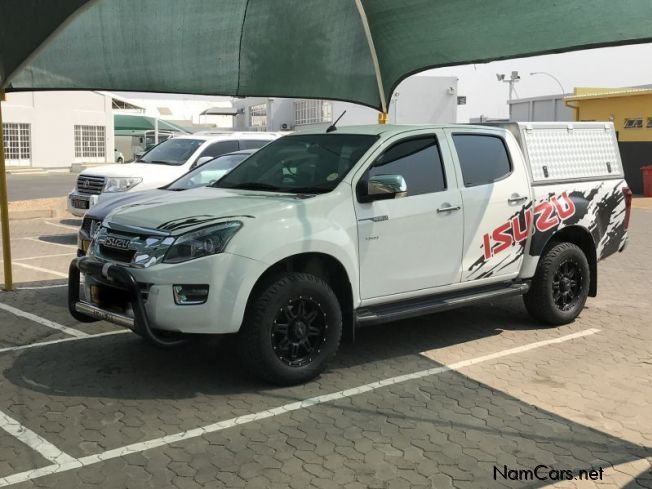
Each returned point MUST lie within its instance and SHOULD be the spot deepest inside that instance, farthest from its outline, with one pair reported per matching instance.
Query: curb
(38, 208)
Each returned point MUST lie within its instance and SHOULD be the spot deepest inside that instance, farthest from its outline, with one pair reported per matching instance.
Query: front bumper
(79, 204)
(230, 278)
(123, 280)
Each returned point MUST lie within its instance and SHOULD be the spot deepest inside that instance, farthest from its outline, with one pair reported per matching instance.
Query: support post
(155, 132)
(382, 117)
(4, 208)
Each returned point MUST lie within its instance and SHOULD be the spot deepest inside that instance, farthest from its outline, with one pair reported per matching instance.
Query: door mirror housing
(382, 187)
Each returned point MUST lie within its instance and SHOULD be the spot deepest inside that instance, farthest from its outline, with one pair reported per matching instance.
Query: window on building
(17, 141)
(90, 141)
(633, 123)
(649, 122)
(483, 158)
(418, 161)
(312, 112)
(258, 117)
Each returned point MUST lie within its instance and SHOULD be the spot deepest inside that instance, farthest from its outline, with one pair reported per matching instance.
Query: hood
(179, 212)
(111, 201)
(149, 171)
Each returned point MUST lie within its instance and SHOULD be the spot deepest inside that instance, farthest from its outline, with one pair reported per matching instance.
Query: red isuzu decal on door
(547, 215)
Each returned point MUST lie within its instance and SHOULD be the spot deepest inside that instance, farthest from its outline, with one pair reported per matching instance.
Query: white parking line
(42, 321)
(43, 256)
(62, 340)
(248, 418)
(34, 441)
(40, 269)
(41, 287)
(74, 228)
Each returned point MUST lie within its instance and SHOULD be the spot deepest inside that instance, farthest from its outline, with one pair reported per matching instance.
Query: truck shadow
(126, 367)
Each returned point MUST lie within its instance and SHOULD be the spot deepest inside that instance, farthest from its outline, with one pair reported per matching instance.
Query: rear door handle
(515, 199)
(449, 208)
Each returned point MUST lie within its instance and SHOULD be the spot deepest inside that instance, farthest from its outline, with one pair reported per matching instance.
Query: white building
(57, 129)
(419, 99)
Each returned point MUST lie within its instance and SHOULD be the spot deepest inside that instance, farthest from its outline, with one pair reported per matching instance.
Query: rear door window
(483, 158)
(220, 148)
(252, 143)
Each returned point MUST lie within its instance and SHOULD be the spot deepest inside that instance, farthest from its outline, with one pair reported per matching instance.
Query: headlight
(208, 241)
(121, 184)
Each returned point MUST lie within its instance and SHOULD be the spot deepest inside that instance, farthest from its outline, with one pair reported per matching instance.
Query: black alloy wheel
(299, 331)
(567, 283)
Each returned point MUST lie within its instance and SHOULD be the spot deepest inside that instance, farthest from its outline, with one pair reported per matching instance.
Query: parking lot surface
(449, 400)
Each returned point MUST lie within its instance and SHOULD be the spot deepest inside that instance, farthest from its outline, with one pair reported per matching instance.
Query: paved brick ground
(574, 405)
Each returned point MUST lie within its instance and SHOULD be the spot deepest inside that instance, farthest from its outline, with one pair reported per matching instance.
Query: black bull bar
(118, 277)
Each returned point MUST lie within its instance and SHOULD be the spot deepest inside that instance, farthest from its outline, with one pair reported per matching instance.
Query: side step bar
(384, 313)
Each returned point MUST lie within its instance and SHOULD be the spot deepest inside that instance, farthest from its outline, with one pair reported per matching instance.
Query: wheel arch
(321, 265)
(581, 237)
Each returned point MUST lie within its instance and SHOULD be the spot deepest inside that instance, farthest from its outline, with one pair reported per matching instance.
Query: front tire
(560, 286)
(292, 328)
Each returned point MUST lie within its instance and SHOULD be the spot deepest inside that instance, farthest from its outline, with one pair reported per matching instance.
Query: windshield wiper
(306, 190)
(254, 186)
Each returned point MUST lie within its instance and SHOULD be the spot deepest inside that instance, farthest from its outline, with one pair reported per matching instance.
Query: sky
(621, 66)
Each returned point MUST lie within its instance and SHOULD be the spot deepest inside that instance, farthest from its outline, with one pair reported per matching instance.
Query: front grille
(115, 254)
(90, 185)
(87, 224)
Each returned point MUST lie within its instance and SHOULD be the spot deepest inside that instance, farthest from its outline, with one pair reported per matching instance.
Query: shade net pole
(4, 209)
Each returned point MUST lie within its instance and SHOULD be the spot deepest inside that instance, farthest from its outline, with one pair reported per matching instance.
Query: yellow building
(630, 109)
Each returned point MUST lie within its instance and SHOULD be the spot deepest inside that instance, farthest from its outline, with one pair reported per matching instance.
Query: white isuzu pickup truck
(321, 232)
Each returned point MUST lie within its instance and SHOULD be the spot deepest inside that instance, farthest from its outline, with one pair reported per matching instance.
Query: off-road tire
(540, 300)
(256, 338)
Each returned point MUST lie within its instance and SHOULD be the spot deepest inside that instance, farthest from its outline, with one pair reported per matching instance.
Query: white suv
(160, 165)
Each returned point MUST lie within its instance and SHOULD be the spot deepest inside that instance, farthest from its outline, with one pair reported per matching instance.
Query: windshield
(302, 163)
(175, 151)
(209, 173)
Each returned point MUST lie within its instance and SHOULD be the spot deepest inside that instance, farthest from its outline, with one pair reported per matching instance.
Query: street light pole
(4, 208)
(550, 75)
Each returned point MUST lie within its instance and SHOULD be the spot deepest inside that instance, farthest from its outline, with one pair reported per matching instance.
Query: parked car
(201, 176)
(161, 165)
(322, 232)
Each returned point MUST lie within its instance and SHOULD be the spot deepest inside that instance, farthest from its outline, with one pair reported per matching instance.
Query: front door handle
(448, 208)
(516, 199)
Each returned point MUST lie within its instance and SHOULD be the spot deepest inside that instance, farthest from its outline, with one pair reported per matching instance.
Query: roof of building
(584, 93)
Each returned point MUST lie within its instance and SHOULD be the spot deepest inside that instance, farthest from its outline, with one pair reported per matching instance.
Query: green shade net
(126, 124)
(300, 48)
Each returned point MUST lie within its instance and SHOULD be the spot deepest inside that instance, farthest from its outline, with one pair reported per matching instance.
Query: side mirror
(382, 187)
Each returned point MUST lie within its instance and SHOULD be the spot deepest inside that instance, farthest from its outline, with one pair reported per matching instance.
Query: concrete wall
(634, 156)
(540, 109)
(52, 116)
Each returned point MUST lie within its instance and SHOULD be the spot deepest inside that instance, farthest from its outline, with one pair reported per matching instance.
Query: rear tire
(292, 328)
(560, 286)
